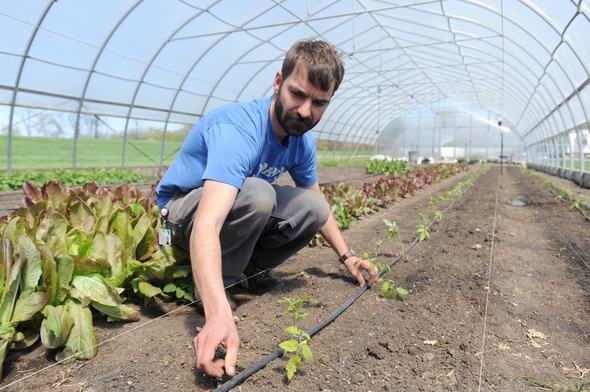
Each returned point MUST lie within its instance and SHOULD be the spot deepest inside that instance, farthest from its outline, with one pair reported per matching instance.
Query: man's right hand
(217, 200)
(217, 331)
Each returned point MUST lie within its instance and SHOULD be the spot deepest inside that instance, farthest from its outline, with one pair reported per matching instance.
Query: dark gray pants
(267, 224)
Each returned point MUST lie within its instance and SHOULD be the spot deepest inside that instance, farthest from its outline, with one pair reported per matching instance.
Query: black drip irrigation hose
(242, 376)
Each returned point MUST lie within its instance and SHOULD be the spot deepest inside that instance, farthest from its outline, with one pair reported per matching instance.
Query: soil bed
(499, 292)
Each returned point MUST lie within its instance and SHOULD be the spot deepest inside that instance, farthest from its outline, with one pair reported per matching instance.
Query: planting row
(577, 201)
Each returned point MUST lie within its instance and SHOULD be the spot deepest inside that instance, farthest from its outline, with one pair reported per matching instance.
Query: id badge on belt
(164, 233)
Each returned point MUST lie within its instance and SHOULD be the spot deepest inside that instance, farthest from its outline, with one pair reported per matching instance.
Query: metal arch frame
(541, 126)
(287, 23)
(352, 102)
(90, 73)
(552, 59)
(229, 67)
(213, 89)
(516, 71)
(533, 57)
(17, 84)
(141, 82)
(534, 108)
(223, 35)
(555, 109)
(204, 54)
(346, 116)
(173, 100)
(267, 63)
(360, 119)
(371, 134)
(460, 52)
(402, 50)
(475, 22)
(563, 105)
(515, 43)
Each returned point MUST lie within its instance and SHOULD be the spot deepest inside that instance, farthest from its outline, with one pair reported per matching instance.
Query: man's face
(299, 105)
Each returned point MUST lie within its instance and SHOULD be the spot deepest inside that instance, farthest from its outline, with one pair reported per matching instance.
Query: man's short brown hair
(323, 63)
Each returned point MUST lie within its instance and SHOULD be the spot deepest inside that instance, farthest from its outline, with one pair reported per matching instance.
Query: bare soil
(499, 293)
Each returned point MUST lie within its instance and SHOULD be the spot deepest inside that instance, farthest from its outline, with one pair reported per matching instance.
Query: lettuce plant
(21, 299)
(72, 252)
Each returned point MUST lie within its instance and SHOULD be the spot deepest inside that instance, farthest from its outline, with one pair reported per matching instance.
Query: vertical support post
(571, 148)
(580, 137)
(501, 146)
(562, 141)
(501, 152)
(488, 139)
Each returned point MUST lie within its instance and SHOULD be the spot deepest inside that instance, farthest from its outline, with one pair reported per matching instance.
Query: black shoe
(258, 280)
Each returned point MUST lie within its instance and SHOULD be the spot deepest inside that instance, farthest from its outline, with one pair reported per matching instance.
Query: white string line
(488, 288)
(118, 336)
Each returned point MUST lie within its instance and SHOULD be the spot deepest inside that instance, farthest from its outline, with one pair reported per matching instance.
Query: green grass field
(586, 166)
(56, 153)
(49, 153)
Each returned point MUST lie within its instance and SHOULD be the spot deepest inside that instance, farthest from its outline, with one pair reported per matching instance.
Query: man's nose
(305, 109)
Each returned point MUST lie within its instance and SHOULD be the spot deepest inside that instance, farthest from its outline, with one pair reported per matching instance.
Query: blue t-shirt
(234, 142)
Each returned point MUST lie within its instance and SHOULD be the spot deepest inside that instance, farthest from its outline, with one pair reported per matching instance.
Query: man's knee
(257, 197)
(320, 208)
(308, 206)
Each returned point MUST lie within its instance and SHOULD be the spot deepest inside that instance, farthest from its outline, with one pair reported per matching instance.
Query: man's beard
(292, 122)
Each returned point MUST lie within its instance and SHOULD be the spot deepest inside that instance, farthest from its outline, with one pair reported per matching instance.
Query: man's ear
(277, 82)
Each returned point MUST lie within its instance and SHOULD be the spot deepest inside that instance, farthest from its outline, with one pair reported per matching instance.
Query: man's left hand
(355, 265)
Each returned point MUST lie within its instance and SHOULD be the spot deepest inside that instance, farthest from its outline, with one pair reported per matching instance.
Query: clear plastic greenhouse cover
(451, 66)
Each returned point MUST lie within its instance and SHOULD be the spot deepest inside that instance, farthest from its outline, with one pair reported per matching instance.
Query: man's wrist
(346, 255)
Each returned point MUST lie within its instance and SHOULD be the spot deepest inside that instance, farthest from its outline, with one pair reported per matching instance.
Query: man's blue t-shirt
(234, 142)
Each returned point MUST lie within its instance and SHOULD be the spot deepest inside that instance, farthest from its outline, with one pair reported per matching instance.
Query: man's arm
(216, 201)
(355, 265)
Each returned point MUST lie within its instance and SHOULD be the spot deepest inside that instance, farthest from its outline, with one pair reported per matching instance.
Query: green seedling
(563, 194)
(446, 198)
(432, 202)
(392, 233)
(423, 229)
(458, 190)
(437, 212)
(438, 215)
(297, 347)
(388, 288)
(579, 203)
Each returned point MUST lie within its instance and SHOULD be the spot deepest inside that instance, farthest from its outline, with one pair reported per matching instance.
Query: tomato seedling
(297, 347)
